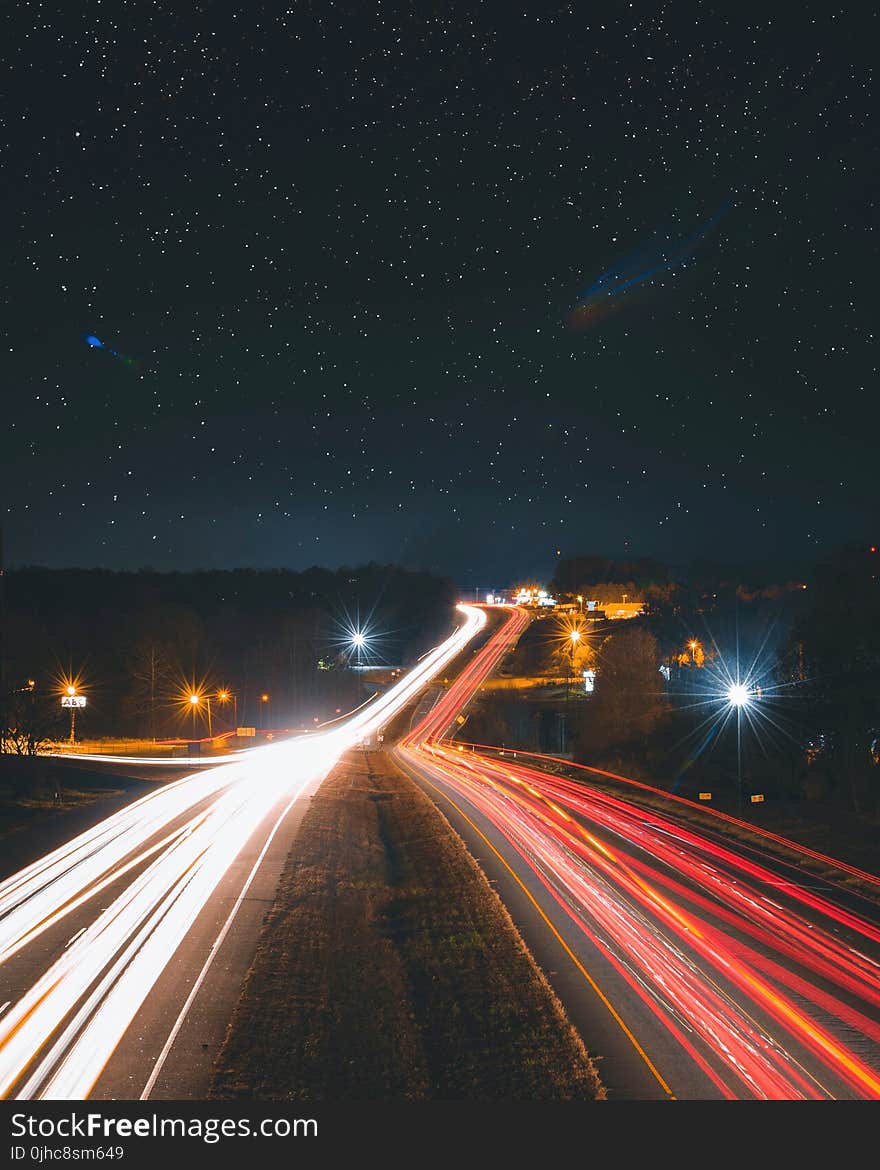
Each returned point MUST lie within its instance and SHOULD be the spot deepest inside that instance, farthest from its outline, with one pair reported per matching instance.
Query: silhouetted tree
(629, 699)
(30, 719)
(150, 670)
(834, 656)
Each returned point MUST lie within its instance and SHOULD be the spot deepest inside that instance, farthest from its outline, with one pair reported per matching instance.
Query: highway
(693, 967)
(122, 951)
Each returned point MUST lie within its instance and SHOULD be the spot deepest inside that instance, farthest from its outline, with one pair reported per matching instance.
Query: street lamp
(224, 696)
(573, 638)
(72, 699)
(194, 706)
(264, 699)
(693, 646)
(358, 641)
(195, 700)
(738, 697)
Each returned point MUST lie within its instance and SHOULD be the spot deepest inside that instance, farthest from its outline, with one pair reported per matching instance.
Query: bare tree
(30, 720)
(151, 668)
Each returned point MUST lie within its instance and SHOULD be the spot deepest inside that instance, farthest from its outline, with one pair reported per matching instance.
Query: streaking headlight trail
(160, 860)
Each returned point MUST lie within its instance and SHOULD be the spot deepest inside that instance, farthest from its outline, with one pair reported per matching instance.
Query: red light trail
(770, 988)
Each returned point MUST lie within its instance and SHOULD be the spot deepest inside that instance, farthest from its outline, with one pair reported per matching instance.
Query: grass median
(388, 969)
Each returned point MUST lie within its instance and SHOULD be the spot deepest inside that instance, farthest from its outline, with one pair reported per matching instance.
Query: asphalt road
(560, 950)
(83, 915)
(694, 966)
(123, 950)
(690, 969)
(168, 1052)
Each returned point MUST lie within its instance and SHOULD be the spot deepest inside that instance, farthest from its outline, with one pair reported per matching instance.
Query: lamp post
(738, 697)
(693, 646)
(264, 707)
(358, 641)
(194, 701)
(573, 638)
(72, 700)
(224, 697)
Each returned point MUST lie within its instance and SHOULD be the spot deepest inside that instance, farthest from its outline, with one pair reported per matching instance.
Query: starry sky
(462, 287)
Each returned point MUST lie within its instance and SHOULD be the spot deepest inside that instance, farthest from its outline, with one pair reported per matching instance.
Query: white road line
(218, 942)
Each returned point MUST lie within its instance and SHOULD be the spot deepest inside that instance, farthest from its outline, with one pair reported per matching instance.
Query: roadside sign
(73, 700)
(245, 731)
(705, 796)
(757, 798)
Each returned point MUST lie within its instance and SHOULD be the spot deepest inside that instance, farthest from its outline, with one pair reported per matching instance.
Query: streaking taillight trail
(762, 993)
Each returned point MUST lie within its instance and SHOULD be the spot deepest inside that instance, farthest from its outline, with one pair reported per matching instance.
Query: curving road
(696, 968)
(122, 951)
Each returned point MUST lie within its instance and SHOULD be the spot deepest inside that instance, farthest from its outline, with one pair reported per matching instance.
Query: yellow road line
(629, 1035)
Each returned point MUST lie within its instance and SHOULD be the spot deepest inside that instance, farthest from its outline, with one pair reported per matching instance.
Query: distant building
(533, 596)
(625, 609)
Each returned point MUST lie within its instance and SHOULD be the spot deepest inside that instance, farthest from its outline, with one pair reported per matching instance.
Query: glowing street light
(573, 638)
(226, 696)
(195, 700)
(739, 697)
(358, 641)
(72, 698)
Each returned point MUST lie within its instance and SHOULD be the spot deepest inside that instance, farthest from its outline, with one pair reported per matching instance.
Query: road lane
(726, 979)
(102, 916)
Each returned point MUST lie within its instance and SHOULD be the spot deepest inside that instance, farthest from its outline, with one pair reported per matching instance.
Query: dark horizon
(755, 572)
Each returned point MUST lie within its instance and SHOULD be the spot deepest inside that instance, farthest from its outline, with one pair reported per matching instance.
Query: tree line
(277, 644)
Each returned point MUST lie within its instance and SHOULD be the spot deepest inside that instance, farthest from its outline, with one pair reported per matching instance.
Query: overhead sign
(73, 700)
(757, 798)
(705, 796)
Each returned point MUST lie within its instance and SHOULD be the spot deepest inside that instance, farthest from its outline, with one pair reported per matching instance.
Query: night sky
(462, 287)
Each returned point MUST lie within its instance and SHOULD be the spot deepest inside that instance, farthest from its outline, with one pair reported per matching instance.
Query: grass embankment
(32, 787)
(388, 968)
(35, 789)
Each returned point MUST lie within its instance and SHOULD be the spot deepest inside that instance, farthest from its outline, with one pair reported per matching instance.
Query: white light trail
(174, 846)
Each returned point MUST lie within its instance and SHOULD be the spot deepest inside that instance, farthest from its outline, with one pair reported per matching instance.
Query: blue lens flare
(96, 343)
